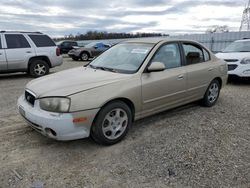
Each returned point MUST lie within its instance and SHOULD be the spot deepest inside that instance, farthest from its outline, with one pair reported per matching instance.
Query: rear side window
(42, 40)
(16, 41)
(193, 53)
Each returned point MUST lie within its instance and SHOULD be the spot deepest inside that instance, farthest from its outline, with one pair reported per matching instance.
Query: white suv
(237, 56)
(31, 52)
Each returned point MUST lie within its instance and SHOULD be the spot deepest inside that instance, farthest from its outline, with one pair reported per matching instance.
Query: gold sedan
(130, 81)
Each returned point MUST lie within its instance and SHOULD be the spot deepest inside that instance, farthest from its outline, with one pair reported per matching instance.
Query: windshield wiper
(103, 68)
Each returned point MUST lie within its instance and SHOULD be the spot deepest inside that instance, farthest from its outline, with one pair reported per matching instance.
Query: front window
(123, 58)
(16, 41)
(169, 55)
(242, 46)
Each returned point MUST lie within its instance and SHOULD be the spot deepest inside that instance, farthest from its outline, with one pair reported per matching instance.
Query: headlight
(245, 61)
(55, 104)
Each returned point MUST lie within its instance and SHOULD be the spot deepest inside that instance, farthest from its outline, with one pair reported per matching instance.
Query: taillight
(58, 51)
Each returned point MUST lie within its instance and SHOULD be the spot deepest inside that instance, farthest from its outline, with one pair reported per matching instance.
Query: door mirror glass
(156, 67)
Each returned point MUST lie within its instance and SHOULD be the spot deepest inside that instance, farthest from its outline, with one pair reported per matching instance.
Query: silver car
(31, 52)
(130, 81)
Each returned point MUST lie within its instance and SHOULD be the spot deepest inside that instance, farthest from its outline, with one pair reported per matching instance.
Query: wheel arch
(219, 80)
(44, 58)
(87, 52)
(122, 99)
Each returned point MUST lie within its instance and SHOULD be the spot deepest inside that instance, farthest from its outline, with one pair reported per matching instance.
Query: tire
(212, 94)
(84, 56)
(75, 58)
(38, 68)
(112, 123)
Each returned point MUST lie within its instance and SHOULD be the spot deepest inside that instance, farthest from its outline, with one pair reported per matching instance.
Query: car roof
(15, 32)
(156, 40)
(243, 40)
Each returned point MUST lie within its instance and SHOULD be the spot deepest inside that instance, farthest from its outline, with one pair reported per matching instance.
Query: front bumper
(240, 70)
(58, 126)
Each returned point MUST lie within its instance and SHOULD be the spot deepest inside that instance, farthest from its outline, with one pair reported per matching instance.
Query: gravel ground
(190, 146)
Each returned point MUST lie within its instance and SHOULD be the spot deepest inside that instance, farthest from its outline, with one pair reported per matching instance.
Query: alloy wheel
(40, 69)
(115, 123)
(213, 92)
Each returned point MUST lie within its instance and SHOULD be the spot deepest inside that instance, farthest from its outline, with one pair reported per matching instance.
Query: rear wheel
(38, 68)
(112, 123)
(212, 94)
(84, 56)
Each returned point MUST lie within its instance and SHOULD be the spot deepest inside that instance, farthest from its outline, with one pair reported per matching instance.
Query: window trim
(1, 46)
(18, 35)
(163, 44)
(195, 45)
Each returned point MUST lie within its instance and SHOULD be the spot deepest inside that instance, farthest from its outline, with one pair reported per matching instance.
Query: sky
(63, 17)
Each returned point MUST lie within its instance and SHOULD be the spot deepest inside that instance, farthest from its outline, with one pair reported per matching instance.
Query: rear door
(164, 89)
(18, 51)
(3, 61)
(200, 69)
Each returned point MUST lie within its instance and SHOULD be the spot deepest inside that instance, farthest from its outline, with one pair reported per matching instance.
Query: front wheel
(112, 123)
(212, 94)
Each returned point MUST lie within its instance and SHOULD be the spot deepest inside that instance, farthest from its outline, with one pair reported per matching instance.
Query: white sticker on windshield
(139, 51)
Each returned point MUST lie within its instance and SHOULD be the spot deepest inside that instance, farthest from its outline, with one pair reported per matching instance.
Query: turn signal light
(79, 120)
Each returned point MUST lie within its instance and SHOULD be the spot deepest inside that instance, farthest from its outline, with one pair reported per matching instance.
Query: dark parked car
(66, 46)
(89, 51)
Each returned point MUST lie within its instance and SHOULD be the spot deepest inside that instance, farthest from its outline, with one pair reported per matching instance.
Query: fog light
(50, 132)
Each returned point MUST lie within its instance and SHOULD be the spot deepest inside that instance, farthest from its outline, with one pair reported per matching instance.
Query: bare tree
(218, 29)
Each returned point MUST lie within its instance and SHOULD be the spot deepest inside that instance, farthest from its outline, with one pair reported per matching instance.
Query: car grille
(231, 60)
(232, 67)
(30, 98)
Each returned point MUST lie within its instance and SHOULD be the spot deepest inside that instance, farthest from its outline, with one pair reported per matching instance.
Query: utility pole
(245, 22)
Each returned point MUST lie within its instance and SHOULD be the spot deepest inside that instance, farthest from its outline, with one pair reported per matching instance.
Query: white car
(31, 52)
(237, 56)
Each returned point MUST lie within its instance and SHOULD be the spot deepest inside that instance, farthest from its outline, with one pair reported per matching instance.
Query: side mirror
(156, 67)
(95, 47)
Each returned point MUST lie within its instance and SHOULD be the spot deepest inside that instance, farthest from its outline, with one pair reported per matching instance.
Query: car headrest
(193, 55)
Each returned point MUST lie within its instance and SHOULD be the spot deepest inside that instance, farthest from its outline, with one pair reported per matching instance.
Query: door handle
(1, 54)
(180, 77)
(28, 52)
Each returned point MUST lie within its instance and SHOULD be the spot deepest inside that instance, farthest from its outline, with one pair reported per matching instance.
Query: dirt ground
(190, 146)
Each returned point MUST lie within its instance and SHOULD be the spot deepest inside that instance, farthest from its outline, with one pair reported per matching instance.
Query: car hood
(233, 55)
(73, 81)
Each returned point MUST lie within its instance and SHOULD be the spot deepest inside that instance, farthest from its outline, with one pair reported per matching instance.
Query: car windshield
(241, 46)
(122, 58)
(59, 43)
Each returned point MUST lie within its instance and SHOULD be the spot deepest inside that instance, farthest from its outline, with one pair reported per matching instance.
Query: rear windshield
(42, 40)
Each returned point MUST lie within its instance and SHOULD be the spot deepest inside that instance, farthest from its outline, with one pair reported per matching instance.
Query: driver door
(164, 89)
